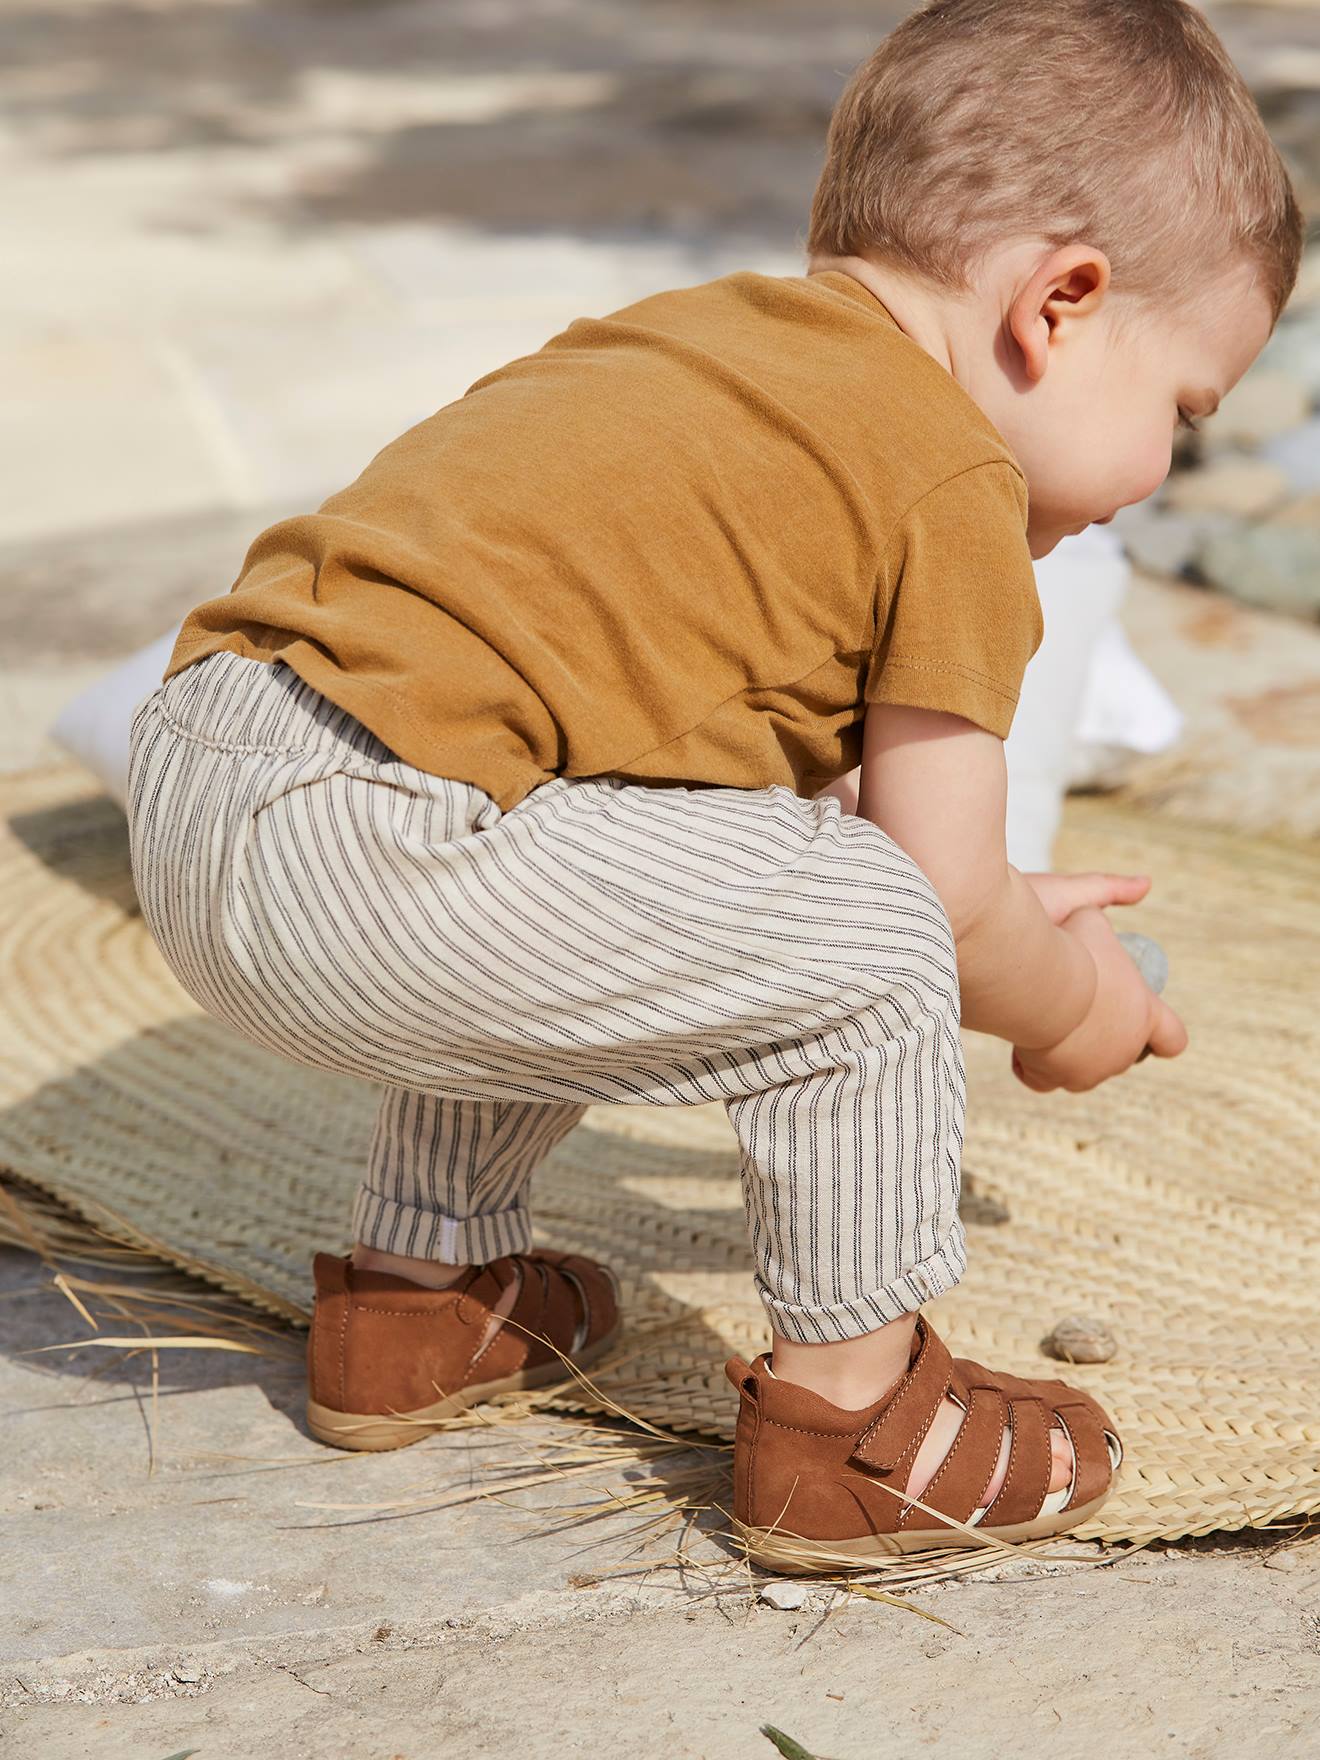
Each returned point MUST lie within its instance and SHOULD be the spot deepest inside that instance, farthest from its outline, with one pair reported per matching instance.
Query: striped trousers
(500, 971)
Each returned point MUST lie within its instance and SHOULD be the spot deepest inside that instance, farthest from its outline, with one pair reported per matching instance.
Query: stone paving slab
(118, 1537)
(1192, 1659)
(193, 1607)
(94, 430)
(233, 380)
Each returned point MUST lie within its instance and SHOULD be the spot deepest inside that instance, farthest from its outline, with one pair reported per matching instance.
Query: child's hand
(1124, 1018)
(1062, 894)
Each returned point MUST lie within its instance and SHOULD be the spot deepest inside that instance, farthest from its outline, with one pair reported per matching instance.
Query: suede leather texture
(380, 1344)
(811, 1469)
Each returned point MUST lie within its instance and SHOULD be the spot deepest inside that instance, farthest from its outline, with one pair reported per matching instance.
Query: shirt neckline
(841, 282)
(855, 290)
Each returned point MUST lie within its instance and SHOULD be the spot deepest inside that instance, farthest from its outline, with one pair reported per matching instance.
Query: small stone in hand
(1149, 958)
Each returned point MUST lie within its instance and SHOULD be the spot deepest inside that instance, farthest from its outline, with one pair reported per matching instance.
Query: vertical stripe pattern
(499, 972)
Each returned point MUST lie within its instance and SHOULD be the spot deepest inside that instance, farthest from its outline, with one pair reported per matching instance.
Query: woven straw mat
(1177, 1204)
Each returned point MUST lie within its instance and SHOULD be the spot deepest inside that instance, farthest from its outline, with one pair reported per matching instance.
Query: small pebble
(186, 1676)
(787, 1597)
(1079, 1340)
(1149, 958)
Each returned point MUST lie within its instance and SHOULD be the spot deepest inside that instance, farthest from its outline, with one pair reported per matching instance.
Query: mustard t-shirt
(685, 543)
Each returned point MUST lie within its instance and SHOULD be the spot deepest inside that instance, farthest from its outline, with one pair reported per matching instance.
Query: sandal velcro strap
(564, 1302)
(892, 1439)
(993, 1402)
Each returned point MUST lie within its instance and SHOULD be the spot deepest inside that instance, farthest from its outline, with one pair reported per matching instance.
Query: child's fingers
(1103, 890)
(1129, 888)
(1063, 894)
(1168, 1036)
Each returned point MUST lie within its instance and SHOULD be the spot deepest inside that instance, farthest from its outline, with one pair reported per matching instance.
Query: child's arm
(1038, 964)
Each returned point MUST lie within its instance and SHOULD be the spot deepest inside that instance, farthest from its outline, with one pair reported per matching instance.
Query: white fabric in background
(1126, 711)
(1087, 702)
(94, 726)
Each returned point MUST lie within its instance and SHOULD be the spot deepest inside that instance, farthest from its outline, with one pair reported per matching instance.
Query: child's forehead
(1218, 328)
(1233, 325)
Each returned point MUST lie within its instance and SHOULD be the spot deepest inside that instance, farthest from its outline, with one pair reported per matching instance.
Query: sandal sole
(373, 1432)
(776, 1550)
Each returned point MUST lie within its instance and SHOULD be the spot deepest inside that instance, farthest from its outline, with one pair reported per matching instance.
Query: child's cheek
(1148, 467)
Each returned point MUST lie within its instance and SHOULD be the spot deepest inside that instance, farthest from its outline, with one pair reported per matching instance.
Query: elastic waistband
(240, 705)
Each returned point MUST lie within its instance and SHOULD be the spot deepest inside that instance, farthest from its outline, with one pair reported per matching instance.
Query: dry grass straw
(140, 1291)
(686, 1511)
(122, 1100)
(677, 1488)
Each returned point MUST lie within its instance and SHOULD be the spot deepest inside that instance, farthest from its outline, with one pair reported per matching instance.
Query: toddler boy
(632, 731)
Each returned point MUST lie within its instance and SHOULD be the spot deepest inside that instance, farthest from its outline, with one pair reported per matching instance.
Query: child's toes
(940, 1439)
(1061, 1465)
(1061, 1451)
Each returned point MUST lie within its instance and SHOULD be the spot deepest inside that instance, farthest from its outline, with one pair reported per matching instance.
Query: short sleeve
(960, 614)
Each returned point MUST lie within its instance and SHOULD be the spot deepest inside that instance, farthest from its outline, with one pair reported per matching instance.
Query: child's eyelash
(1189, 422)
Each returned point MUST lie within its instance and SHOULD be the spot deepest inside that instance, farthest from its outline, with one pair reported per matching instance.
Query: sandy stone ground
(245, 245)
(234, 1601)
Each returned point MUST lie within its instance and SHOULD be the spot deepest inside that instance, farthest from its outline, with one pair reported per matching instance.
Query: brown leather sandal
(820, 1488)
(387, 1359)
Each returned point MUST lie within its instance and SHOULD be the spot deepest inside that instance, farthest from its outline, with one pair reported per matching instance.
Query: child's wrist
(1075, 995)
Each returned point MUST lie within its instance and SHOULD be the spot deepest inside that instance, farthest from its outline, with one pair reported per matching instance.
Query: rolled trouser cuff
(391, 1227)
(805, 1323)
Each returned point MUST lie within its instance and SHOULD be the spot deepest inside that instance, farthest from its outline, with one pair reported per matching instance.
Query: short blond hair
(1122, 124)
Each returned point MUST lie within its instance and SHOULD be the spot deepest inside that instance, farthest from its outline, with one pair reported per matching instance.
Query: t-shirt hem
(948, 687)
(382, 713)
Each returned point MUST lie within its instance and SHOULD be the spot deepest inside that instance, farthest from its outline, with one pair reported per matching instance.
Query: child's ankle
(430, 1273)
(853, 1373)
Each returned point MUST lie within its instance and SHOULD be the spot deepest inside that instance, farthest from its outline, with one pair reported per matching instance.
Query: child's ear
(1070, 283)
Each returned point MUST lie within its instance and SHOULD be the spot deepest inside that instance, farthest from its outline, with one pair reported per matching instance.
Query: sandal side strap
(961, 1480)
(1092, 1472)
(594, 1288)
(1030, 1463)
